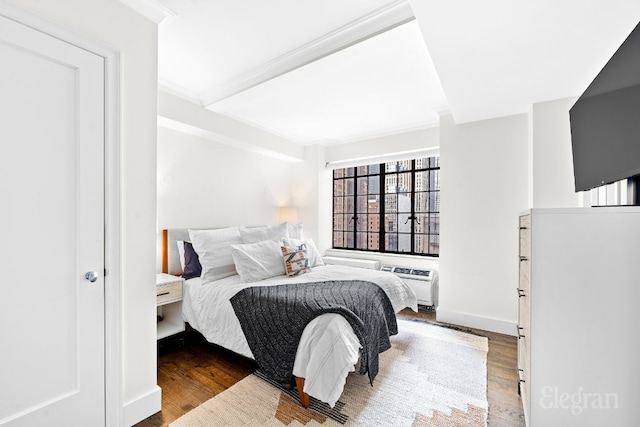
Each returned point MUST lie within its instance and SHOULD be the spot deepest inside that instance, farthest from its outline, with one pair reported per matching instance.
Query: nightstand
(169, 302)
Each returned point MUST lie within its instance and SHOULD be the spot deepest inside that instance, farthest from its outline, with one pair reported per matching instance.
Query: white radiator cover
(353, 262)
(423, 282)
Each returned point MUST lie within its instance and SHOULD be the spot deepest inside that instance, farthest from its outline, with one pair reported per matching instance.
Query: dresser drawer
(525, 236)
(524, 272)
(525, 243)
(169, 292)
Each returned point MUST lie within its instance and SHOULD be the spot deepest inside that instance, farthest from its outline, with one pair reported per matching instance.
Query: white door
(52, 231)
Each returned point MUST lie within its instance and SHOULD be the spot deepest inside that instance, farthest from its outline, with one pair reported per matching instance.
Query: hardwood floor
(192, 373)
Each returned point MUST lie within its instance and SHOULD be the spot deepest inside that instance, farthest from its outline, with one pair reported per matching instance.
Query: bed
(234, 259)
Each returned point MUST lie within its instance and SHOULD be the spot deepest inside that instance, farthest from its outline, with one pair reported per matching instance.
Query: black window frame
(348, 232)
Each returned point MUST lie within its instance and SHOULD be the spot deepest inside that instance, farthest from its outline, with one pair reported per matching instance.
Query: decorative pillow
(258, 261)
(314, 255)
(214, 251)
(260, 234)
(296, 261)
(192, 267)
(295, 231)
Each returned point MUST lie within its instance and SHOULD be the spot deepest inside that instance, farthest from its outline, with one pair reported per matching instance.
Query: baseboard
(478, 322)
(143, 407)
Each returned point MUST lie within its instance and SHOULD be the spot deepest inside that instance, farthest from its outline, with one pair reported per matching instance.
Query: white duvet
(328, 348)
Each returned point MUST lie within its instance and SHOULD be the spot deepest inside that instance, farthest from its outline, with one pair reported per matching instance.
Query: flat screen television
(605, 122)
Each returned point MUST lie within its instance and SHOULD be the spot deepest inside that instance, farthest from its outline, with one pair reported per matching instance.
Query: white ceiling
(333, 71)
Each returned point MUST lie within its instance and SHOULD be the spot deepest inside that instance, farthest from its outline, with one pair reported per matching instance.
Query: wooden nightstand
(169, 302)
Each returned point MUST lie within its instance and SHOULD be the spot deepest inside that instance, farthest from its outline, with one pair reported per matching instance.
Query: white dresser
(578, 316)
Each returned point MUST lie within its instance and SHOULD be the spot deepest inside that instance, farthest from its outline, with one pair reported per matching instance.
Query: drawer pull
(524, 228)
(524, 258)
(521, 293)
(163, 293)
(519, 334)
(520, 381)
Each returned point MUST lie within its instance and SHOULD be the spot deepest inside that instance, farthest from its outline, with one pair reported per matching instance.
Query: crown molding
(259, 126)
(365, 136)
(151, 9)
(179, 91)
(223, 138)
(379, 21)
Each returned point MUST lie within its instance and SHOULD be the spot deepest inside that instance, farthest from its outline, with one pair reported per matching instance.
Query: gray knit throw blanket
(273, 318)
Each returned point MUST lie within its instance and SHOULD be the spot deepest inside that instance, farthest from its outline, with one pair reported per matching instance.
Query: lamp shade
(288, 214)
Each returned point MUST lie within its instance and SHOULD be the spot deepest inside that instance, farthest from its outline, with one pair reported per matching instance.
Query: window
(391, 207)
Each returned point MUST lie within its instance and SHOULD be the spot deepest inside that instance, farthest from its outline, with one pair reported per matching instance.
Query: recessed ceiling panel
(383, 85)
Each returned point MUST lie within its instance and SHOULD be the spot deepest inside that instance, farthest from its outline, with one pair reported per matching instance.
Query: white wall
(311, 194)
(112, 24)
(483, 189)
(551, 165)
(526, 162)
(214, 171)
(203, 183)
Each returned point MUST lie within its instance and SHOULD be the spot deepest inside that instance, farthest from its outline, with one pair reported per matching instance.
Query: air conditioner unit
(423, 282)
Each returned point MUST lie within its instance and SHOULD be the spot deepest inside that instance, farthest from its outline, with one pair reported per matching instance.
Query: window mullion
(413, 206)
(355, 208)
(382, 246)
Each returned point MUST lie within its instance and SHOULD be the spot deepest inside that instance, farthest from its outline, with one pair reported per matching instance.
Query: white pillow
(214, 251)
(295, 231)
(260, 234)
(258, 261)
(180, 244)
(312, 251)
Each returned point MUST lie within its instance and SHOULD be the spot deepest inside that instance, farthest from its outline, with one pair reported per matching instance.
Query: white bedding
(328, 348)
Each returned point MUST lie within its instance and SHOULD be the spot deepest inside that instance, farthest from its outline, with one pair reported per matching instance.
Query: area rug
(432, 376)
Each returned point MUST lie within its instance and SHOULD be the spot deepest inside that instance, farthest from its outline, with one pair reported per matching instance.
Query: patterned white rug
(432, 376)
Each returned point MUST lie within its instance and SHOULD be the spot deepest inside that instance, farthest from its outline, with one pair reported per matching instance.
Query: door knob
(91, 276)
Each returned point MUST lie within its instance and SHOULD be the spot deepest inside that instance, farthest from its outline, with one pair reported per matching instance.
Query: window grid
(391, 207)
